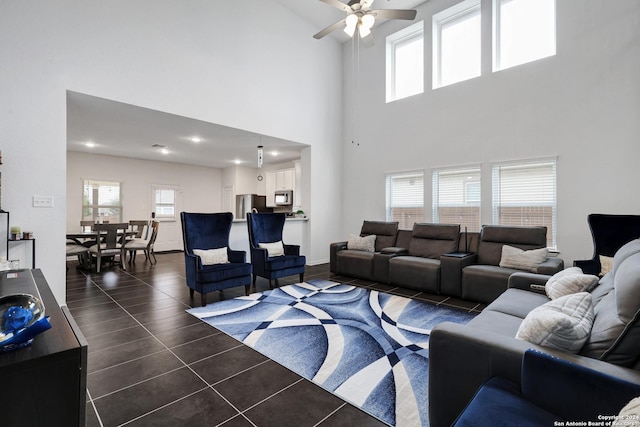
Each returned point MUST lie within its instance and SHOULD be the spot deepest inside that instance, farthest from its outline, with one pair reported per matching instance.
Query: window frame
(389, 178)
(96, 207)
(407, 35)
(496, 194)
(155, 204)
(458, 12)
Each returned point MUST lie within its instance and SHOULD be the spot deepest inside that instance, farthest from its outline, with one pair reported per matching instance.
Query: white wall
(581, 105)
(251, 65)
(200, 188)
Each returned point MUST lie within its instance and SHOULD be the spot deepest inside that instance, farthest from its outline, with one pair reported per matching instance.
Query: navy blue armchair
(552, 390)
(212, 270)
(270, 257)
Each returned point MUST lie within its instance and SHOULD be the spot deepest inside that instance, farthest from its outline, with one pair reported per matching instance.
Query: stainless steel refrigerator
(248, 202)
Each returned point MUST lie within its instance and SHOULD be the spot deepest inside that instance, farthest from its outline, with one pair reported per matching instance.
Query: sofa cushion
(355, 264)
(569, 281)
(366, 243)
(517, 302)
(564, 323)
(485, 283)
(386, 232)
(520, 259)
(493, 237)
(615, 336)
(415, 273)
(433, 240)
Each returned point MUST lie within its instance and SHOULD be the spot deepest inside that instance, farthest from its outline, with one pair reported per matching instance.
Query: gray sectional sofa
(463, 357)
(429, 258)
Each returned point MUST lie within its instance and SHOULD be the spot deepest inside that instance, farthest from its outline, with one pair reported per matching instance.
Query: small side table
(33, 251)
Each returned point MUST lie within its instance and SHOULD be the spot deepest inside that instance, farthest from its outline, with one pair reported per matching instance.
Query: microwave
(284, 198)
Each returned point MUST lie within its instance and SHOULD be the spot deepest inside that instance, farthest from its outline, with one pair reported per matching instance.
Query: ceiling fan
(361, 16)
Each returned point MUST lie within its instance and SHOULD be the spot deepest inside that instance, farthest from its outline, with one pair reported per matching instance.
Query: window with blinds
(101, 200)
(456, 197)
(405, 198)
(165, 203)
(524, 193)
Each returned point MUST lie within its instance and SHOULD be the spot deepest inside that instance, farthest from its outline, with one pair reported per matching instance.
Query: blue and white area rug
(368, 347)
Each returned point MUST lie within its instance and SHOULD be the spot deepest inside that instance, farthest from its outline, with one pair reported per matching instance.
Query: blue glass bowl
(21, 319)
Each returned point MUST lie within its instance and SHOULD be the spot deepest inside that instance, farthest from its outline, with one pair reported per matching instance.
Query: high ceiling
(125, 130)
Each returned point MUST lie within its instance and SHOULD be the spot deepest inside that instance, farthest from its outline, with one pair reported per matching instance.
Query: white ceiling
(124, 130)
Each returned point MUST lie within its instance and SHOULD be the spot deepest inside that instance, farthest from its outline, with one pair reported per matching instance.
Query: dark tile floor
(152, 364)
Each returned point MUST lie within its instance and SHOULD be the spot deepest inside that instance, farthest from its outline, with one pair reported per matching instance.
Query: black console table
(44, 383)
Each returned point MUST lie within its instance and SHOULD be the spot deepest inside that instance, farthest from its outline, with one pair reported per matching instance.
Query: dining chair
(142, 244)
(209, 262)
(86, 226)
(270, 257)
(111, 239)
(76, 249)
(141, 227)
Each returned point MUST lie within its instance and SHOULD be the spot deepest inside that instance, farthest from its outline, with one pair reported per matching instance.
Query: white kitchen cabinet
(270, 188)
(281, 179)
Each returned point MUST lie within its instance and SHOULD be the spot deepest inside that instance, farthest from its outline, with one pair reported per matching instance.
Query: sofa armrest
(394, 250)
(334, 248)
(572, 391)
(462, 358)
(451, 266)
(551, 266)
(381, 262)
(529, 282)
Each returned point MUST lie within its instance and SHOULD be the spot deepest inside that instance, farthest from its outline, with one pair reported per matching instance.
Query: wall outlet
(42, 201)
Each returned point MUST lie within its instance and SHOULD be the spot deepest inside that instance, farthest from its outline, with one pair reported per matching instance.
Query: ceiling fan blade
(337, 4)
(395, 14)
(366, 3)
(330, 28)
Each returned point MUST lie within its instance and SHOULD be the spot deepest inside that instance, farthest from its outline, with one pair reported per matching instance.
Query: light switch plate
(42, 201)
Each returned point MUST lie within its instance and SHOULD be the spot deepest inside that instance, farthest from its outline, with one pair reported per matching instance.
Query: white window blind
(524, 194)
(405, 198)
(456, 197)
(101, 200)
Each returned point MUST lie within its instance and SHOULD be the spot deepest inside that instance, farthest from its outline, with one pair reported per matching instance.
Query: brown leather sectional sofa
(439, 259)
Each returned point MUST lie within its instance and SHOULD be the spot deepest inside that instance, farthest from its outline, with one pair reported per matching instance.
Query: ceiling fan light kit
(360, 15)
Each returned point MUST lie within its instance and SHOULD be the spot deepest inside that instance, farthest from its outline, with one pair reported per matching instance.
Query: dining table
(90, 238)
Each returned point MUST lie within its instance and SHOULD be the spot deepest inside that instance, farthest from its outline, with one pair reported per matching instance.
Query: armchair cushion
(212, 256)
(563, 323)
(284, 262)
(523, 260)
(273, 249)
(366, 243)
(222, 272)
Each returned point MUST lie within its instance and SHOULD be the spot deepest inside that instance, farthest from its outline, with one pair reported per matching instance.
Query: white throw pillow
(366, 243)
(606, 264)
(570, 281)
(212, 256)
(273, 249)
(564, 323)
(523, 260)
(629, 416)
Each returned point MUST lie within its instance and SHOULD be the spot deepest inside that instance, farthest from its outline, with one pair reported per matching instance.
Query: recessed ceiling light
(237, 162)
(274, 153)
(195, 139)
(164, 151)
(90, 144)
